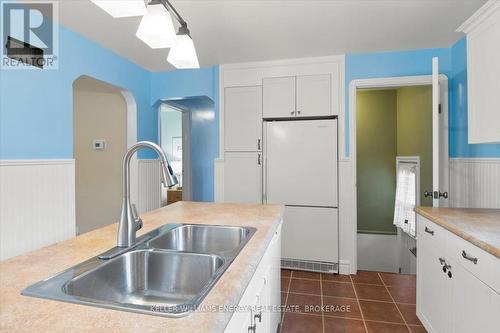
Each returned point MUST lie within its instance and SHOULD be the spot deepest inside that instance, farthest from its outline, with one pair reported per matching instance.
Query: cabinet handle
(292, 113)
(258, 316)
(468, 257)
(298, 112)
(446, 267)
(252, 328)
(259, 159)
(429, 231)
(442, 261)
(258, 144)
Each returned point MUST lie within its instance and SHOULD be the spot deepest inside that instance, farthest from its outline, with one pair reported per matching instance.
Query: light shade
(122, 8)
(156, 28)
(183, 54)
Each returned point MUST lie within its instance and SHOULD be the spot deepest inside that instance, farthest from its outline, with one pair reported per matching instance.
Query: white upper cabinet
(314, 95)
(279, 97)
(243, 118)
(483, 73)
(297, 96)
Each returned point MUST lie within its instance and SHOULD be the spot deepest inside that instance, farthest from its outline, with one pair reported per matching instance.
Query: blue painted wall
(452, 63)
(36, 107)
(458, 104)
(205, 119)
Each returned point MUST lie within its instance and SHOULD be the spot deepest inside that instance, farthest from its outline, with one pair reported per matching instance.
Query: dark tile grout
(321, 294)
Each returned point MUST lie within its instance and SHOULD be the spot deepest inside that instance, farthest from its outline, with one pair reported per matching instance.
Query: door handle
(436, 194)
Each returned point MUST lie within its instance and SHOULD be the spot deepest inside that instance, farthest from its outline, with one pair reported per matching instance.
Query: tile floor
(367, 302)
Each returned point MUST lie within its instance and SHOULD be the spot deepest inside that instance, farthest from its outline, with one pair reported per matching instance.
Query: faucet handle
(136, 217)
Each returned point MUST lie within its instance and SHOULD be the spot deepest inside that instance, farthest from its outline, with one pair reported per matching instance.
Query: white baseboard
(475, 182)
(37, 204)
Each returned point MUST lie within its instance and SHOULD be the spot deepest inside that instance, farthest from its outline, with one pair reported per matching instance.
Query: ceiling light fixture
(156, 28)
(183, 54)
(122, 8)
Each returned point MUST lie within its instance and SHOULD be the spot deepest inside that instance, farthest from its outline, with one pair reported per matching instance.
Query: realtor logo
(29, 35)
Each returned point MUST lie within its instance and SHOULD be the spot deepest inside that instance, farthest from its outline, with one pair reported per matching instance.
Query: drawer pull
(468, 257)
(429, 231)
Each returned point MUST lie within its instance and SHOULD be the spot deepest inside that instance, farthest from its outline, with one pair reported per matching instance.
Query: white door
(432, 290)
(439, 183)
(474, 306)
(301, 162)
(278, 97)
(243, 118)
(310, 233)
(243, 177)
(314, 94)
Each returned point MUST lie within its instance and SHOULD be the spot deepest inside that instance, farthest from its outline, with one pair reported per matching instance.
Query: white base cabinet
(457, 283)
(259, 307)
(243, 177)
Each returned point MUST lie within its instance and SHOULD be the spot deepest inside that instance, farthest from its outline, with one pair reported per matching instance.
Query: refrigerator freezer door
(301, 162)
(310, 233)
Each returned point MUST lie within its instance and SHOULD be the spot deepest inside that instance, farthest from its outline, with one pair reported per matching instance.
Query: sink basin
(149, 278)
(167, 273)
(201, 238)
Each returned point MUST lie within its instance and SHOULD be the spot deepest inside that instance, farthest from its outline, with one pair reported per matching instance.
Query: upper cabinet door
(483, 73)
(279, 97)
(314, 96)
(243, 118)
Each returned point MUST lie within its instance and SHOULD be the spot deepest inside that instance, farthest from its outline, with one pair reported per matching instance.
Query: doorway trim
(384, 83)
(187, 189)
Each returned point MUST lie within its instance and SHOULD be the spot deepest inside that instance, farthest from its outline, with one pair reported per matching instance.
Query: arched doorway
(104, 124)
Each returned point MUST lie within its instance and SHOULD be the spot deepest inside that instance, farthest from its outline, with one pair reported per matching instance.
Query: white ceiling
(229, 31)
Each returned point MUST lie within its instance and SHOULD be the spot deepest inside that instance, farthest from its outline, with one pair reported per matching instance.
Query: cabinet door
(432, 290)
(243, 177)
(314, 95)
(278, 97)
(243, 118)
(474, 307)
(483, 78)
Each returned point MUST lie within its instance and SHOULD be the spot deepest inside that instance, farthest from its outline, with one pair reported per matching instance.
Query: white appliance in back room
(301, 173)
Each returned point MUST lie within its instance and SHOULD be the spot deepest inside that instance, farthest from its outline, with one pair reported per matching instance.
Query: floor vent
(311, 266)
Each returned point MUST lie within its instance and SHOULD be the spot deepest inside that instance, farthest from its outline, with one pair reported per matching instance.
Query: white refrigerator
(301, 172)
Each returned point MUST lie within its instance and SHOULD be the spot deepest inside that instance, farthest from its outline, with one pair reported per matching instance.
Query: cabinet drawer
(481, 264)
(430, 234)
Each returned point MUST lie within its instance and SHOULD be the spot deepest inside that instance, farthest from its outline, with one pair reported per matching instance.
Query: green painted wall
(376, 159)
(414, 131)
(390, 123)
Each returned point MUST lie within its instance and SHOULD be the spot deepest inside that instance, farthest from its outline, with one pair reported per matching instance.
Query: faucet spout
(130, 221)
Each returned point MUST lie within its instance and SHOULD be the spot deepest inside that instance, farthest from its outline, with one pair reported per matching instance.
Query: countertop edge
(459, 232)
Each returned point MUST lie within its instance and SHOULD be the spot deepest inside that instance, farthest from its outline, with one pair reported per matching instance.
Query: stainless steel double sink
(168, 272)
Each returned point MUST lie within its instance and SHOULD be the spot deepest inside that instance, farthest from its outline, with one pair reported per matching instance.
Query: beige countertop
(27, 314)
(481, 227)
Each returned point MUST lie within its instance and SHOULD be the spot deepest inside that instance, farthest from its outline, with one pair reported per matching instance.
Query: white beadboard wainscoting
(37, 204)
(475, 182)
(149, 185)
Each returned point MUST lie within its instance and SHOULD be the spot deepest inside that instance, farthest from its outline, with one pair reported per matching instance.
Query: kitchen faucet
(130, 221)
